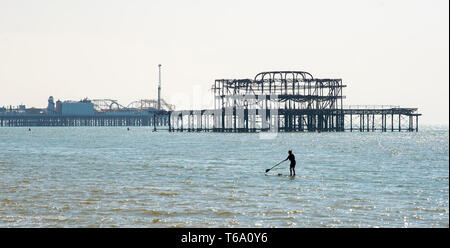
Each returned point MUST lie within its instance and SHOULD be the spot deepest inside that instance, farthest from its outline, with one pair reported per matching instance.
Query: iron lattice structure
(289, 101)
(101, 105)
(286, 100)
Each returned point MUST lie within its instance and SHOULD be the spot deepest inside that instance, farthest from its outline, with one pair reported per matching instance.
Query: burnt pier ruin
(289, 101)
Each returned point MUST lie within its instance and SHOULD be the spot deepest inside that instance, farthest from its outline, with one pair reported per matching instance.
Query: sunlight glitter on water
(110, 177)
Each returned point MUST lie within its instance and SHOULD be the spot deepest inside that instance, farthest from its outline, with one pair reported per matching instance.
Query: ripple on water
(122, 179)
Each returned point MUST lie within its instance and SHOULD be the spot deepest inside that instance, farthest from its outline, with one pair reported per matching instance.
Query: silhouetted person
(291, 158)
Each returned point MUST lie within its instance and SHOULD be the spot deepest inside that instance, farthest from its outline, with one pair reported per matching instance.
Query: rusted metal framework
(295, 99)
(287, 101)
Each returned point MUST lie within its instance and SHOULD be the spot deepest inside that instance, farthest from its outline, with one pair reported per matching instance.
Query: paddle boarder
(291, 158)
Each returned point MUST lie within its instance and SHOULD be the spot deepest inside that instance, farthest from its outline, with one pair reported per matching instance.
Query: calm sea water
(111, 177)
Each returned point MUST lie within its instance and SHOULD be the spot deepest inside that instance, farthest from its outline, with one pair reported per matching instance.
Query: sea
(114, 177)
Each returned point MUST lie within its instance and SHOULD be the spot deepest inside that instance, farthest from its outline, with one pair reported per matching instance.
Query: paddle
(274, 166)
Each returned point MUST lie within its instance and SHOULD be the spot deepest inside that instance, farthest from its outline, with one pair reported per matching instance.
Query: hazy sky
(387, 52)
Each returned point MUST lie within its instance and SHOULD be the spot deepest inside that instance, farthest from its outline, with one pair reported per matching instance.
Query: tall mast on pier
(159, 88)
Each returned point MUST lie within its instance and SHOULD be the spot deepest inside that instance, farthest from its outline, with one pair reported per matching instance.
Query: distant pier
(362, 120)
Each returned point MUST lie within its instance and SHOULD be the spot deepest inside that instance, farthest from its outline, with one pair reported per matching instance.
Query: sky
(392, 52)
